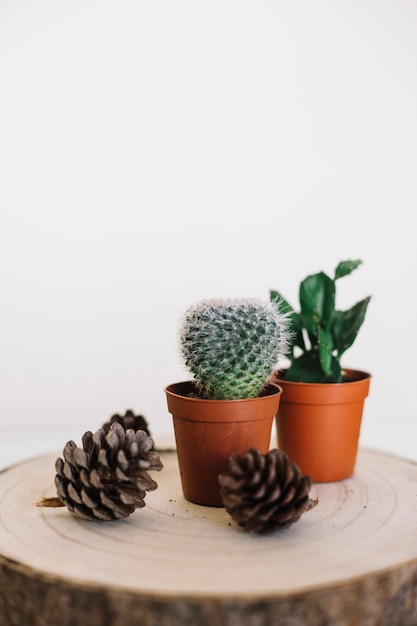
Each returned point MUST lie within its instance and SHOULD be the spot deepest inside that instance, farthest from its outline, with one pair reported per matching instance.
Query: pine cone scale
(120, 475)
(85, 479)
(68, 451)
(79, 457)
(289, 496)
(94, 479)
(88, 442)
(97, 514)
(68, 472)
(260, 493)
(122, 460)
(73, 494)
(146, 483)
(61, 492)
(85, 499)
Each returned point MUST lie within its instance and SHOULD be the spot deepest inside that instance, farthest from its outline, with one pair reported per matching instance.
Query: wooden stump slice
(349, 561)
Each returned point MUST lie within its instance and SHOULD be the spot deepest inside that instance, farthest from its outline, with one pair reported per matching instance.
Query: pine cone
(128, 420)
(106, 479)
(264, 492)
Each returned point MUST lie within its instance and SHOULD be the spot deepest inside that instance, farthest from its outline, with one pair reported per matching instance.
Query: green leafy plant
(232, 346)
(321, 334)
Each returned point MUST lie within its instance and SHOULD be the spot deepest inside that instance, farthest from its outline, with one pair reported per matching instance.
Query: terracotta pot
(318, 424)
(208, 432)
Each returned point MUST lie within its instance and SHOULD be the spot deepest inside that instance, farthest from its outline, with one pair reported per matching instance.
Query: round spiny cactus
(231, 346)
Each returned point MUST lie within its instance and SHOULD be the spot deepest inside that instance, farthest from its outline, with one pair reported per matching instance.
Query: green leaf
(317, 300)
(346, 325)
(325, 350)
(295, 323)
(346, 267)
(305, 368)
(335, 375)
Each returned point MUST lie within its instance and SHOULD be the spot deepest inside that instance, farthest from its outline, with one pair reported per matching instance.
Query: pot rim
(359, 377)
(271, 387)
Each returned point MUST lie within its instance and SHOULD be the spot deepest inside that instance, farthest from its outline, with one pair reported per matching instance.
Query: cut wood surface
(350, 560)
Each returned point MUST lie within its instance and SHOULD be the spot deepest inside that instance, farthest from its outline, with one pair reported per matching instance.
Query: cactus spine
(231, 346)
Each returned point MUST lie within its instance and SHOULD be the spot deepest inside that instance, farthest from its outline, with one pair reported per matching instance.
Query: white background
(153, 153)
